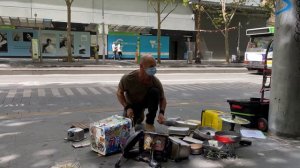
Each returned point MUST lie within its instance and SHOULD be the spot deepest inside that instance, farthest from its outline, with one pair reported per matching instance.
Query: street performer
(140, 90)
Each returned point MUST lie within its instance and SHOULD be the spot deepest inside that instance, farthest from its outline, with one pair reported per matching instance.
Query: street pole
(285, 93)
(238, 41)
(39, 38)
(103, 31)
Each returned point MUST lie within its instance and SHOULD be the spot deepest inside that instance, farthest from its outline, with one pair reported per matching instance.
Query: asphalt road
(36, 112)
(52, 94)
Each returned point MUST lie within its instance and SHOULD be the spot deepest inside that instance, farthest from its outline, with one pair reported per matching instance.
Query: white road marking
(41, 92)
(55, 92)
(95, 91)
(11, 93)
(27, 93)
(68, 91)
(105, 90)
(81, 91)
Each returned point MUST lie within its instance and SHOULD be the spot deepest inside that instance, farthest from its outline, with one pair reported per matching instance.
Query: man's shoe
(149, 127)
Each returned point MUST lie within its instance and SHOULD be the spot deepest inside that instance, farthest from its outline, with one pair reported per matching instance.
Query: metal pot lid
(234, 119)
(206, 131)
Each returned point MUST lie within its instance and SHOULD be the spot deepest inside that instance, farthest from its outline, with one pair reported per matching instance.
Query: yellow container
(211, 118)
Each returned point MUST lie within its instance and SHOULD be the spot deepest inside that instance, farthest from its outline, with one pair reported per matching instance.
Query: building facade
(133, 19)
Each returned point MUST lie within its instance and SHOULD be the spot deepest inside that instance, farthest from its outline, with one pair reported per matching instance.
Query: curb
(115, 71)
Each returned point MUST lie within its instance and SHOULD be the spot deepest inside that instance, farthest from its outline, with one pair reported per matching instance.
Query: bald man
(140, 90)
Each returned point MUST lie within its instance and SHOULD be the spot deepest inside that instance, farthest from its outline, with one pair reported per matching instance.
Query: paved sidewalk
(38, 142)
(19, 66)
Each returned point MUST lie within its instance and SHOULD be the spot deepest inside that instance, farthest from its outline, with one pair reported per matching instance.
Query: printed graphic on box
(108, 134)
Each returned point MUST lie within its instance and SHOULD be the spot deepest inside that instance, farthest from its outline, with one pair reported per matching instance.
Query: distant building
(122, 18)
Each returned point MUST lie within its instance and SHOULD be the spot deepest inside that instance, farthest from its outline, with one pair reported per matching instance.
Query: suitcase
(211, 118)
(108, 135)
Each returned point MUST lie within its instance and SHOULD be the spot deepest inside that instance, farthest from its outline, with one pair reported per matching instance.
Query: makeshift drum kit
(153, 148)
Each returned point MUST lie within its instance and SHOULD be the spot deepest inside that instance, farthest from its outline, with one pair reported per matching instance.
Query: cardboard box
(108, 134)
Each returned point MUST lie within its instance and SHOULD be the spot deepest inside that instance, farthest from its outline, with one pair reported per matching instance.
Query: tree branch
(211, 19)
(150, 2)
(166, 4)
(169, 12)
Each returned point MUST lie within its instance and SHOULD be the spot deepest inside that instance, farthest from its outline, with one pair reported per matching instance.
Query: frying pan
(227, 137)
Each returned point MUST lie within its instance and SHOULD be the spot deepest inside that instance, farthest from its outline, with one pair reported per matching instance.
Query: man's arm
(121, 97)
(162, 107)
(162, 104)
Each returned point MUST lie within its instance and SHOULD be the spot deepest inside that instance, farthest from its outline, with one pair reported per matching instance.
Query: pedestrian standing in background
(114, 48)
(119, 48)
(3, 43)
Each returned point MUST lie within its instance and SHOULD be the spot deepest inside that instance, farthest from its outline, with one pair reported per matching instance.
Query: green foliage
(268, 5)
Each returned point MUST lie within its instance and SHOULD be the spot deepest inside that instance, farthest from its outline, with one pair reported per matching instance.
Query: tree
(221, 19)
(69, 40)
(269, 5)
(159, 6)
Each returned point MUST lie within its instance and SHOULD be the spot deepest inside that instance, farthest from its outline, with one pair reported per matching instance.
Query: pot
(196, 149)
(179, 149)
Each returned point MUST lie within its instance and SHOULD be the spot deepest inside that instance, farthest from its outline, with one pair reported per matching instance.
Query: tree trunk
(198, 36)
(158, 31)
(69, 40)
(226, 44)
(284, 111)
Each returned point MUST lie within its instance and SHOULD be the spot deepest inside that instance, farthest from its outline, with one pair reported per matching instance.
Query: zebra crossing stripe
(168, 88)
(189, 87)
(55, 92)
(41, 92)
(203, 87)
(68, 91)
(176, 87)
(105, 90)
(113, 88)
(27, 93)
(93, 90)
(11, 93)
(196, 87)
(81, 91)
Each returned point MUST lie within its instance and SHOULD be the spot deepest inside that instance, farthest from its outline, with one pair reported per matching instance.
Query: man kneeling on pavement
(140, 90)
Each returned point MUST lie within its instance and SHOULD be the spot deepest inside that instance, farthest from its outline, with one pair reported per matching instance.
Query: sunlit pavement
(38, 141)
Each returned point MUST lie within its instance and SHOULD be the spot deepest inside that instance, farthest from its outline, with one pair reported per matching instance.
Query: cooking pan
(227, 137)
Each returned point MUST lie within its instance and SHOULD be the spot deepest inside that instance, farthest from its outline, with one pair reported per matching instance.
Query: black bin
(252, 109)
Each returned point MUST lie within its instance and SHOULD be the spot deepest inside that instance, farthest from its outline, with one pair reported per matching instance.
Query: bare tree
(69, 40)
(222, 19)
(159, 6)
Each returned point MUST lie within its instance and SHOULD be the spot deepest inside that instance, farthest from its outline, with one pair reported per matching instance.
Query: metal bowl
(204, 133)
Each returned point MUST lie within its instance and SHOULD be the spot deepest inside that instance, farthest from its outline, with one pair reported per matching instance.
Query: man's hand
(161, 118)
(130, 113)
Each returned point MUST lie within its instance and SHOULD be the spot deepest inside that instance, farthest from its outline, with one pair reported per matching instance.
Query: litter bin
(190, 57)
(252, 109)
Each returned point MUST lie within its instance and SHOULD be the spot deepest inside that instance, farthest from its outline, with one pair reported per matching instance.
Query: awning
(93, 27)
(25, 22)
(127, 28)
